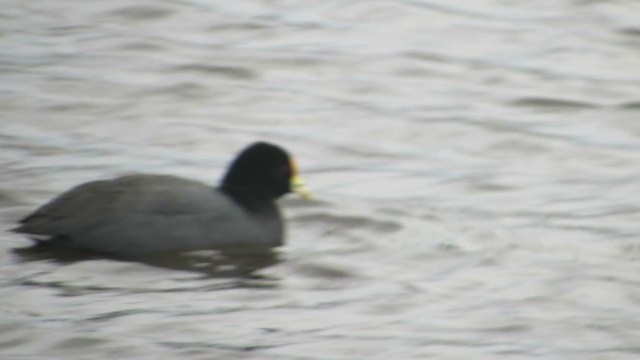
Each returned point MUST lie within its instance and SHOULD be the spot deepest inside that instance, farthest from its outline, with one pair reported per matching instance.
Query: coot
(144, 214)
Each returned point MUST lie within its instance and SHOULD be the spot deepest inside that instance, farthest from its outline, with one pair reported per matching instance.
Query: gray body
(140, 214)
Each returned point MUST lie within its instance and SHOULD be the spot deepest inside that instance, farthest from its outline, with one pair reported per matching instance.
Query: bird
(143, 214)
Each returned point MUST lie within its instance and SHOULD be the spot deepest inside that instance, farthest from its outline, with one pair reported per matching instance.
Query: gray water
(476, 169)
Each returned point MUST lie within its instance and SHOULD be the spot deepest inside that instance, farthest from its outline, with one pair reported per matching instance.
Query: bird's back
(140, 214)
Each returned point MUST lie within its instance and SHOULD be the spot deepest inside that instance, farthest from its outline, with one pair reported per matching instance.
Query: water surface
(475, 166)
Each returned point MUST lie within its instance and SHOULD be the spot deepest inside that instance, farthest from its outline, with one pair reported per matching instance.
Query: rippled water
(476, 167)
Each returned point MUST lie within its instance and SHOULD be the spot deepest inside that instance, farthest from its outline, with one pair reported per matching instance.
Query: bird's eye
(283, 170)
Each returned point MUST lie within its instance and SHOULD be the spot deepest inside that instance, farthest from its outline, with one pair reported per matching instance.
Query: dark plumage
(142, 214)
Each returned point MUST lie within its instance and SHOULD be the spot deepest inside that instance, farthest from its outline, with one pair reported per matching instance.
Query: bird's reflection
(229, 264)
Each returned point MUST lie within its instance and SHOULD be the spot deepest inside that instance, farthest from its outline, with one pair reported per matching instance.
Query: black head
(261, 172)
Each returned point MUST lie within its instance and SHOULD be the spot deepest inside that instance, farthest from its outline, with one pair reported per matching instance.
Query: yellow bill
(298, 184)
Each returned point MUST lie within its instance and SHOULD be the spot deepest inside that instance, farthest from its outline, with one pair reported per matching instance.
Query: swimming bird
(145, 214)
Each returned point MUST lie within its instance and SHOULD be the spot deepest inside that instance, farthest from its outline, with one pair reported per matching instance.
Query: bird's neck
(248, 198)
